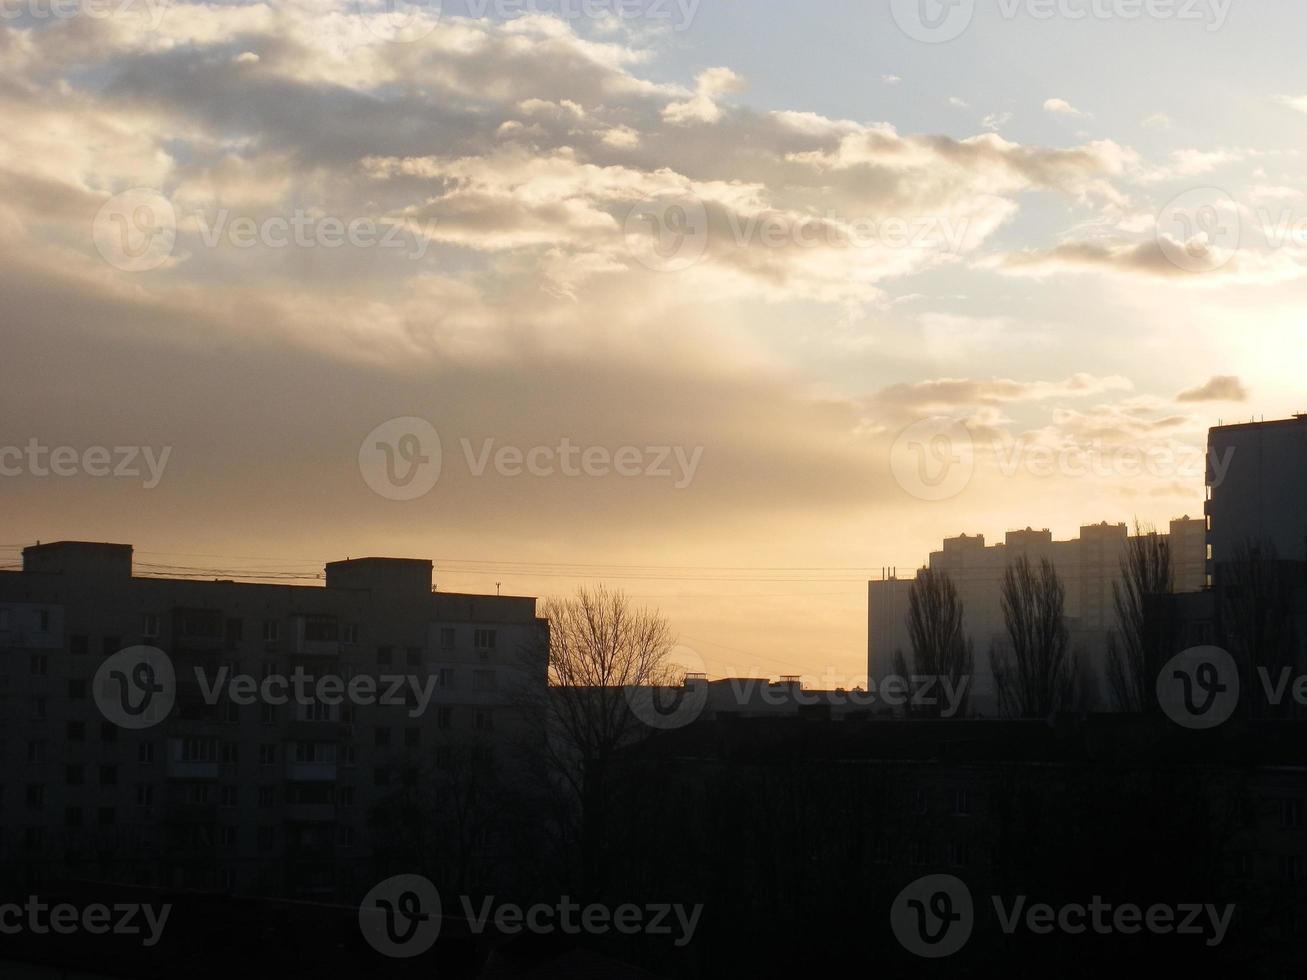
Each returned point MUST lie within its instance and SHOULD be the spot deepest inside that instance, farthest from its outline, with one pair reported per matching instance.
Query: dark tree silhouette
(1035, 671)
(940, 647)
(1147, 631)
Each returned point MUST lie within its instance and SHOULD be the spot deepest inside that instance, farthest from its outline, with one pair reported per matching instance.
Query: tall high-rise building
(1088, 565)
(1257, 489)
(241, 781)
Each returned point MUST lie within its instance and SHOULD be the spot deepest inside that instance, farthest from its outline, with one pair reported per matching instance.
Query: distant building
(1088, 565)
(1257, 489)
(253, 798)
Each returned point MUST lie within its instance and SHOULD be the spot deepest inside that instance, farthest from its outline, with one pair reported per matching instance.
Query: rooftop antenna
(497, 584)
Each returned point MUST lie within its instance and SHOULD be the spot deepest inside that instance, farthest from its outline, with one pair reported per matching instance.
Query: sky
(731, 305)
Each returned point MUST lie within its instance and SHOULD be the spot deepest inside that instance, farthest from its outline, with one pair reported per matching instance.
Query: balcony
(310, 772)
(178, 769)
(311, 812)
(315, 636)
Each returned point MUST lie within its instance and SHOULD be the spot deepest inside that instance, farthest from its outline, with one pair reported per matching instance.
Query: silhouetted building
(1257, 490)
(1088, 566)
(298, 798)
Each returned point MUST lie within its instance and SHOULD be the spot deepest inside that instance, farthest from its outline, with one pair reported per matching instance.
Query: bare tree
(1035, 671)
(600, 647)
(1146, 631)
(940, 647)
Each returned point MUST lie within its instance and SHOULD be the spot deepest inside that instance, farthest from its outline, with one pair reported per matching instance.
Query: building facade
(1257, 490)
(245, 783)
(1088, 565)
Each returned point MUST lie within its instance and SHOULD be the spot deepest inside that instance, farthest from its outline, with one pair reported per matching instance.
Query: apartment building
(1088, 566)
(1257, 490)
(228, 789)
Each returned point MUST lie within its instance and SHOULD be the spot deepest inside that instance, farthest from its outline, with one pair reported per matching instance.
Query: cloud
(1158, 120)
(1165, 258)
(1222, 388)
(703, 107)
(1297, 102)
(1060, 107)
(891, 79)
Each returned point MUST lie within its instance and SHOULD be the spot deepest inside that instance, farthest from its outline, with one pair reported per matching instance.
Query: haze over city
(1013, 228)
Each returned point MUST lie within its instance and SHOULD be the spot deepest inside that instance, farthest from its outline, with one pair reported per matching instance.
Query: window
(38, 709)
(268, 714)
(321, 629)
(315, 752)
(230, 713)
(445, 678)
(230, 796)
(483, 720)
(43, 620)
(35, 795)
(413, 656)
(228, 837)
(347, 755)
(77, 689)
(446, 637)
(382, 737)
(76, 731)
(961, 802)
(1290, 814)
(444, 718)
(267, 754)
(77, 644)
(75, 775)
(412, 738)
(144, 794)
(108, 816)
(919, 802)
(483, 639)
(381, 776)
(267, 796)
(39, 664)
(199, 749)
(385, 655)
(108, 731)
(145, 753)
(149, 626)
(346, 836)
(229, 753)
(108, 775)
(483, 680)
(349, 633)
(235, 632)
(201, 623)
(110, 645)
(347, 796)
(36, 750)
(267, 838)
(271, 631)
